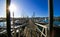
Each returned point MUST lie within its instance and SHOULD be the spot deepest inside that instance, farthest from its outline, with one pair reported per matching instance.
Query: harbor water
(56, 23)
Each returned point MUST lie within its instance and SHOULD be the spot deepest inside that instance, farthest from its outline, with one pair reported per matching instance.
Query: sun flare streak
(12, 8)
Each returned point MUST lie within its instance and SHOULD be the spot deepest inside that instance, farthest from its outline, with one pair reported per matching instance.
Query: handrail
(44, 26)
(42, 31)
(38, 30)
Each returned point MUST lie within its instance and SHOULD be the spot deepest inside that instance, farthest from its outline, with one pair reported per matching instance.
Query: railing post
(46, 32)
(19, 31)
(31, 33)
(8, 18)
(42, 31)
(15, 32)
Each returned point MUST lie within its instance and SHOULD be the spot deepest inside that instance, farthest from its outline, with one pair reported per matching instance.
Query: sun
(12, 7)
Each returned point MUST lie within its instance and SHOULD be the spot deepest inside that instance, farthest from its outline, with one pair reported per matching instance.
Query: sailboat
(45, 19)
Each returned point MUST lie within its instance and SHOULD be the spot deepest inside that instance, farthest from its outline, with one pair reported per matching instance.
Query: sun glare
(12, 8)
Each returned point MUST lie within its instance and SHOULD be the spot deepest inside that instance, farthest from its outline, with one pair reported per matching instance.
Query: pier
(29, 28)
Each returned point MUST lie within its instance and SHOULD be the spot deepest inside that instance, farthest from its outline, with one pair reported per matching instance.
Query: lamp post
(8, 18)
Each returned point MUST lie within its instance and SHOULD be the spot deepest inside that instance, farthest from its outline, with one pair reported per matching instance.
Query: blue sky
(27, 7)
(2, 8)
(56, 7)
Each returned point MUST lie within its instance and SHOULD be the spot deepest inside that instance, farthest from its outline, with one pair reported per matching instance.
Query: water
(2, 24)
(56, 23)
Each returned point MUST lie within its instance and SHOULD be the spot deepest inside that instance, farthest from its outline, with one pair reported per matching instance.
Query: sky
(56, 7)
(27, 7)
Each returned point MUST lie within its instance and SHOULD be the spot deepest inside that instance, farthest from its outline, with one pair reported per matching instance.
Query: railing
(35, 33)
(14, 30)
(43, 31)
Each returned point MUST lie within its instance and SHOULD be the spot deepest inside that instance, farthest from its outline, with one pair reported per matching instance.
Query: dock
(28, 29)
